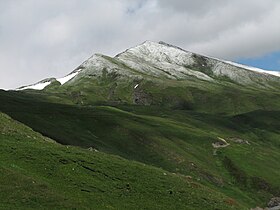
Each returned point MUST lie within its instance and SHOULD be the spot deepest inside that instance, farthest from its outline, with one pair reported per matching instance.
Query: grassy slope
(36, 173)
(177, 141)
(222, 96)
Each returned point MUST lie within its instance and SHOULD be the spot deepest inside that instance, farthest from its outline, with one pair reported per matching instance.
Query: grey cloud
(198, 7)
(42, 39)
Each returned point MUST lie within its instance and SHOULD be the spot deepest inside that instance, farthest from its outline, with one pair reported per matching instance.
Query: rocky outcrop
(221, 143)
(274, 203)
(238, 140)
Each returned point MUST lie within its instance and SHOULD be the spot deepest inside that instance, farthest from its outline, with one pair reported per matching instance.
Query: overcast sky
(49, 38)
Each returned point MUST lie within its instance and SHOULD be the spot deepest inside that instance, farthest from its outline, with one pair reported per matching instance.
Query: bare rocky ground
(273, 204)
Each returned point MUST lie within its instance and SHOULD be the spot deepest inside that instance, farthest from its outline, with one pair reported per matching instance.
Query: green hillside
(37, 173)
(176, 141)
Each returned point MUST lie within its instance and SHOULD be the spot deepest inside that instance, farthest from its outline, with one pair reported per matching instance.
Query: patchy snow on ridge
(38, 86)
(255, 69)
(65, 79)
(99, 64)
(41, 85)
(275, 73)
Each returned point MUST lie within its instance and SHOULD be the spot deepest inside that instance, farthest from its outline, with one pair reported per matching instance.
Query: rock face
(274, 202)
(142, 98)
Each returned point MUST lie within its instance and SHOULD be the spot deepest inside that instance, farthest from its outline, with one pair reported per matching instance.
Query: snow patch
(38, 86)
(65, 79)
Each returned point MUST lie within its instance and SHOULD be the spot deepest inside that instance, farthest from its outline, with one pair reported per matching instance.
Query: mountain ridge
(163, 52)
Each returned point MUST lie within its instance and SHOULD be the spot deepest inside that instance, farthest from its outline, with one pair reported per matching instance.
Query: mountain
(152, 59)
(155, 127)
(161, 74)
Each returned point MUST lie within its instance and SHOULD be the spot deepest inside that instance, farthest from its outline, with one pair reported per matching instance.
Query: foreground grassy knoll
(37, 173)
(177, 141)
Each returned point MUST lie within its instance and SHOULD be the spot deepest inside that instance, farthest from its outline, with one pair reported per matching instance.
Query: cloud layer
(42, 39)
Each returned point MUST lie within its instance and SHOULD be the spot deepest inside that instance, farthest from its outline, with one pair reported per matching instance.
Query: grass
(38, 173)
(177, 141)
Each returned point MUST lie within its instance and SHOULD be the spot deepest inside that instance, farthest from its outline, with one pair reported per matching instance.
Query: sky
(41, 39)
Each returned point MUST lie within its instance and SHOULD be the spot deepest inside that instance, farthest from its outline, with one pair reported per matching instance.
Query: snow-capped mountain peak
(160, 52)
(157, 51)
(162, 60)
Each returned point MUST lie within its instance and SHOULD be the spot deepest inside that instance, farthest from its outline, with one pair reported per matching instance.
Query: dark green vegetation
(172, 141)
